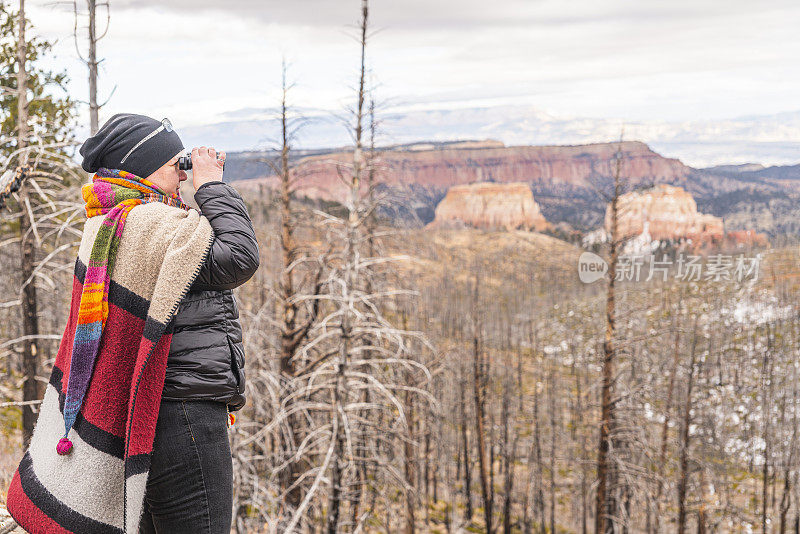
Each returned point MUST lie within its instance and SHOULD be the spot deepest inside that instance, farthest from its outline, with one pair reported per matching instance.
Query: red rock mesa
(667, 212)
(490, 205)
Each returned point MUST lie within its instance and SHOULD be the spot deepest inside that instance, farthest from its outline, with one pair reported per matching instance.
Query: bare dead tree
(535, 485)
(480, 382)
(767, 388)
(297, 317)
(91, 60)
(606, 504)
(509, 443)
(352, 349)
(553, 432)
(683, 481)
(789, 465)
(409, 460)
(31, 389)
(465, 449)
(662, 459)
(275, 456)
(350, 273)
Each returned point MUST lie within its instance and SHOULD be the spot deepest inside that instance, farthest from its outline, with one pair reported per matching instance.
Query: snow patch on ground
(758, 310)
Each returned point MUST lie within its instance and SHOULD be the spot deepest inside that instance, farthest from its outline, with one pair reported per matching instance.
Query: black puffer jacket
(206, 357)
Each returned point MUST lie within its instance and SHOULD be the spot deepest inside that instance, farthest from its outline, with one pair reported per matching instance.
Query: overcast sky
(198, 61)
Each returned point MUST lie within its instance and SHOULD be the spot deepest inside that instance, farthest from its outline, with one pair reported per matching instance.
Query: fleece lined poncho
(99, 486)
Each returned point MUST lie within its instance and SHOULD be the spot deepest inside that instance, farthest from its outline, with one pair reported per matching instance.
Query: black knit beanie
(130, 143)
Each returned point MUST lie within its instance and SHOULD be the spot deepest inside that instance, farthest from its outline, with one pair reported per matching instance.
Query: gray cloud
(425, 14)
(405, 13)
(635, 59)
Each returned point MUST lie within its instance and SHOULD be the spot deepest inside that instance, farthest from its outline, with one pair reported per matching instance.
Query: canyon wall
(553, 166)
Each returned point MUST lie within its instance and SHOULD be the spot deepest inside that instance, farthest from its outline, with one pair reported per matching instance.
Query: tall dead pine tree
(358, 361)
(297, 316)
(91, 59)
(31, 388)
(480, 386)
(683, 480)
(351, 250)
(606, 504)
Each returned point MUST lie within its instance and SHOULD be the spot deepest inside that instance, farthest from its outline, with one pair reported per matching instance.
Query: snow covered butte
(665, 212)
(489, 205)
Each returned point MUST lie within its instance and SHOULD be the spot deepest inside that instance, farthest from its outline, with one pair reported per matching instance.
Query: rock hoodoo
(668, 212)
(490, 205)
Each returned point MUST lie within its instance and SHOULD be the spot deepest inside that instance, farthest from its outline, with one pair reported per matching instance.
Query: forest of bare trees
(399, 380)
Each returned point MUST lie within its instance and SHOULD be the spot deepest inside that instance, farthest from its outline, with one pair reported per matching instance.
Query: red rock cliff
(439, 169)
(490, 205)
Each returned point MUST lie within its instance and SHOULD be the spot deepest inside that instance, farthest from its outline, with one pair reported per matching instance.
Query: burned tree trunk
(665, 427)
(466, 451)
(408, 463)
(94, 108)
(31, 387)
(683, 481)
(606, 504)
(479, 397)
(91, 56)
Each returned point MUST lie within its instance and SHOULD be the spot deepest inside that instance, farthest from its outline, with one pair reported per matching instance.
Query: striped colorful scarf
(112, 193)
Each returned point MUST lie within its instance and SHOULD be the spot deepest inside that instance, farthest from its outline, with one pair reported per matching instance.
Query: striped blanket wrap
(85, 470)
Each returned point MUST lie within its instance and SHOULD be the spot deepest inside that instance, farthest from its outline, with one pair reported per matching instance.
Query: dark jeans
(190, 485)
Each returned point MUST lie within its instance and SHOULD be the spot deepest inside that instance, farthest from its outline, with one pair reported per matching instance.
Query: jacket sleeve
(233, 257)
